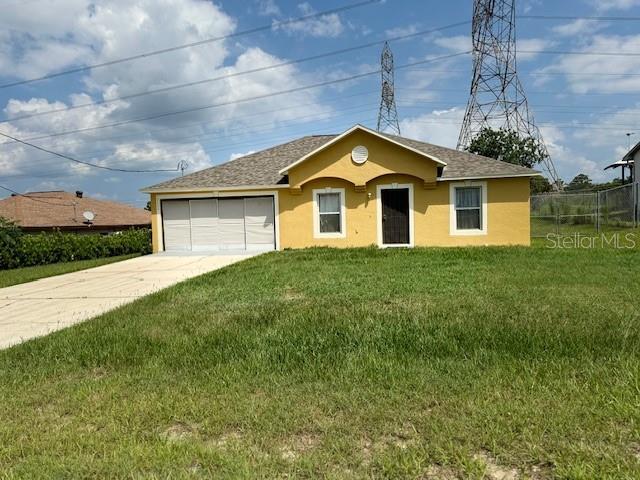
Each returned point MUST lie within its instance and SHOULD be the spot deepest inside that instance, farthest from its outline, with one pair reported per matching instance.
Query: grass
(29, 274)
(454, 363)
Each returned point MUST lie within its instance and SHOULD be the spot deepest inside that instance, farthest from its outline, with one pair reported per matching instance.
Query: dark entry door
(395, 216)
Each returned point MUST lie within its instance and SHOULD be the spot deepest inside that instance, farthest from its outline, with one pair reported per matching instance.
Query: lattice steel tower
(388, 115)
(497, 98)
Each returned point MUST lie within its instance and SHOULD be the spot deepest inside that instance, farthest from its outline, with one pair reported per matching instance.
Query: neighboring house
(58, 210)
(629, 161)
(355, 189)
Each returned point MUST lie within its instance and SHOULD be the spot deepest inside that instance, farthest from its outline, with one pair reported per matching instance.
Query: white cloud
(592, 73)
(578, 27)
(323, 26)
(153, 154)
(529, 48)
(603, 5)
(423, 81)
(233, 156)
(109, 31)
(526, 46)
(268, 8)
(456, 43)
(567, 161)
(402, 31)
(529, 5)
(440, 127)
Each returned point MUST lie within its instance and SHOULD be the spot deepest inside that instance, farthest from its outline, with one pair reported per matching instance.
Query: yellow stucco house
(355, 189)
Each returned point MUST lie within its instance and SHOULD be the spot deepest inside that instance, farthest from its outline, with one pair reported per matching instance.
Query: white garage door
(211, 224)
(177, 227)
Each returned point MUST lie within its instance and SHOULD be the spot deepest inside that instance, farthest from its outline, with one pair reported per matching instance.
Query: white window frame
(393, 186)
(484, 219)
(316, 214)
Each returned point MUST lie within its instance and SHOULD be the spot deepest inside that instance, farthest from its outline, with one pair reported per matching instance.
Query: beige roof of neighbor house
(262, 168)
(58, 209)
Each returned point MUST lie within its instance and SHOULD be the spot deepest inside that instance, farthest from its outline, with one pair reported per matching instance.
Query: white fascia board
(285, 170)
(489, 177)
(241, 188)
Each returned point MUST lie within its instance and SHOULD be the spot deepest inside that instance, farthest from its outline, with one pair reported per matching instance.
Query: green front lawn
(425, 363)
(29, 274)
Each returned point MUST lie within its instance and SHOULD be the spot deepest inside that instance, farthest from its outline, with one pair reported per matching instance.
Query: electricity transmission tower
(388, 115)
(497, 98)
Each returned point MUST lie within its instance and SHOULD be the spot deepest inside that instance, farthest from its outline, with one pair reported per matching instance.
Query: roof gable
(385, 157)
(355, 128)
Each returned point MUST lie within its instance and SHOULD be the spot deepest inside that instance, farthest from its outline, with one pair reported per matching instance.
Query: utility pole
(497, 99)
(628, 134)
(182, 166)
(388, 114)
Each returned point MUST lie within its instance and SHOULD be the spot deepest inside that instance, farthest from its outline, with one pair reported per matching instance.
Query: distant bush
(18, 249)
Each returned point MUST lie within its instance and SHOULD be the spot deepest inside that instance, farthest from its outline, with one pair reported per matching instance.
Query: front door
(395, 216)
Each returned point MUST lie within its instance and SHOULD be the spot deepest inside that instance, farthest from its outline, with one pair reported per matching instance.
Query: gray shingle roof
(261, 168)
(464, 164)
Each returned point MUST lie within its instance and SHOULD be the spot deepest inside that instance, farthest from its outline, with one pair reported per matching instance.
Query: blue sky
(583, 104)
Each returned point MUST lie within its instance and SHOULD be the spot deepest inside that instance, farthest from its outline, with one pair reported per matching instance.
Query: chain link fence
(584, 212)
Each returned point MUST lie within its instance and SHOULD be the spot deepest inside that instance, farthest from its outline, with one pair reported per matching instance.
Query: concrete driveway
(37, 308)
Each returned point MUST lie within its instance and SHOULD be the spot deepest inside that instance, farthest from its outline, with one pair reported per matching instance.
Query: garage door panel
(231, 236)
(176, 225)
(231, 210)
(204, 224)
(259, 210)
(259, 223)
(205, 238)
(259, 237)
(204, 212)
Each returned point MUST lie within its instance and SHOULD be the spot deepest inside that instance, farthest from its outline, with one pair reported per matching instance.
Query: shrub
(24, 250)
(10, 236)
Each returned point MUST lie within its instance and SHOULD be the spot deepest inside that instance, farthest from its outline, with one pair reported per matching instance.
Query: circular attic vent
(359, 154)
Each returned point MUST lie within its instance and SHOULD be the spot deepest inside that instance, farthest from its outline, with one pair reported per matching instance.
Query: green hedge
(18, 249)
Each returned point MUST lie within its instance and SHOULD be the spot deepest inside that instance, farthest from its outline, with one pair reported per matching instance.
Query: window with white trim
(468, 208)
(468, 203)
(329, 213)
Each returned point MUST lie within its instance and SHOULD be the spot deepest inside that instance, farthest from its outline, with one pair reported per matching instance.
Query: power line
(82, 162)
(570, 52)
(541, 73)
(243, 100)
(268, 141)
(238, 74)
(242, 131)
(36, 199)
(576, 17)
(317, 57)
(322, 117)
(264, 141)
(261, 28)
(211, 122)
